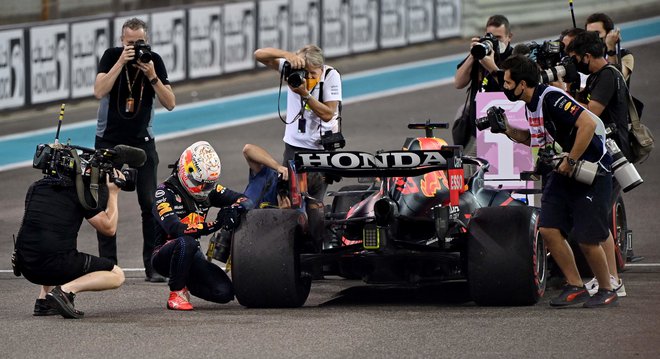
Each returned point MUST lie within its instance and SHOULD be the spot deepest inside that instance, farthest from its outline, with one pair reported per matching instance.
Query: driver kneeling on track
(568, 205)
(180, 208)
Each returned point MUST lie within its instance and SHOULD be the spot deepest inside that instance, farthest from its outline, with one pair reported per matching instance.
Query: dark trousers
(146, 190)
(183, 262)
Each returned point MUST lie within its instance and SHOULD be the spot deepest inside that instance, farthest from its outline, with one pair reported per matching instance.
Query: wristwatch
(306, 98)
(154, 81)
(571, 162)
(611, 52)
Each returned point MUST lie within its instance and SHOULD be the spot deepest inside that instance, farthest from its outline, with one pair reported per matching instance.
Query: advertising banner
(392, 23)
(447, 18)
(335, 27)
(420, 20)
(305, 21)
(168, 38)
(273, 24)
(364, 25)
(89, 40)
(12, 69)
(507, 158)
(239, 36)
(204, 41)
(49, 63)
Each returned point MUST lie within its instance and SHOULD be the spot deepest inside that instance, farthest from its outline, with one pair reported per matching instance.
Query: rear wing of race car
(387, 164)
(382, 164)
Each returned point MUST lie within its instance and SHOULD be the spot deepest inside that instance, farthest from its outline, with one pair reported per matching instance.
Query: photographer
(180, 208)
(128, 79)
(480, 73)
(622, 58)
(46, 251)
(313, 104)
(606, 95)
(556, 119)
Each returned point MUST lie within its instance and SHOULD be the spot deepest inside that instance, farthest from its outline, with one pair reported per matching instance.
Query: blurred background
(49, 49)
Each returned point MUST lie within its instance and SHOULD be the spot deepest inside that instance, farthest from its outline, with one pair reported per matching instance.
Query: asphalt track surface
(341, 318)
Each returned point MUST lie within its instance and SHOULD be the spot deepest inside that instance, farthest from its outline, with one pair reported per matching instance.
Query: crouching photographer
(313, 113)
(79, 183)
(557, 121)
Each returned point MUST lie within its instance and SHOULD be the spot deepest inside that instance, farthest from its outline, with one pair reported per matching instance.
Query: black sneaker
(603, 298)
(64, 303)
(155, 278)
(570, 295)
(43, 308)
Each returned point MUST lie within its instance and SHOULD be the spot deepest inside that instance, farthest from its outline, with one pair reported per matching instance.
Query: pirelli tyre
(266, 260)
(506, 258)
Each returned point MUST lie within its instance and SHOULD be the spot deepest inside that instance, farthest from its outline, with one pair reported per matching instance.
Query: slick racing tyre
(619, 228)
(506, 256)
(266, 260)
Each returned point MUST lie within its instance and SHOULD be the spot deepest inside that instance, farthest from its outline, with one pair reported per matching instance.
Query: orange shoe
(179, 300)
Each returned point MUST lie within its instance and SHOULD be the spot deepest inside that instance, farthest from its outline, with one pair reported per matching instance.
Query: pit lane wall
(56, 61)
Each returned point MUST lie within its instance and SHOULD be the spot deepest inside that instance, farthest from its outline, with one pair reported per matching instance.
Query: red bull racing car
(419, 223)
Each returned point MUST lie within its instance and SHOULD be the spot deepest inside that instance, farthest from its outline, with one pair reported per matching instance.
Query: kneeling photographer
(76, 186)
(313, 113)
(571, 202)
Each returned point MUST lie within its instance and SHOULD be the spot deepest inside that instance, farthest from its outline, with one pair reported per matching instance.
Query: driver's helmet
(199, 170)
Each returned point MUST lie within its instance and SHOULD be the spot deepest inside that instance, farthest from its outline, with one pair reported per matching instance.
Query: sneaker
(179, 300)
(570, 295)
(602, 298)
(155, 278)
(617, 286)
(64, 302)
(43, 308)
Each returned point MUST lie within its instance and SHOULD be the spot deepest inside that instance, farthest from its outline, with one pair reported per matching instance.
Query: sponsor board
(89, 40)
(49, 63)
(205, 42)
(12, 69)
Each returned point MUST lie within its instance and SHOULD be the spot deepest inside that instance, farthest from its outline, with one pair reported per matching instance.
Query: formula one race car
(420, 223)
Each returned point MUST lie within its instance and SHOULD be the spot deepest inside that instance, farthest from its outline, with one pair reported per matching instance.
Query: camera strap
(80, 186)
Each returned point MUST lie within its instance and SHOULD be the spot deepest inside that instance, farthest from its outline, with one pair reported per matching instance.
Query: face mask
(582, 67)
(503, 46)
(311, 83)
(511, 94)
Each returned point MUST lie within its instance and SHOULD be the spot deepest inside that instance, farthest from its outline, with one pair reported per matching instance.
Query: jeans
(146, 190)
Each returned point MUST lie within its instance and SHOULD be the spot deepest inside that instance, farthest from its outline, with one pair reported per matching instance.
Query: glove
(229, 218)
(208, 228)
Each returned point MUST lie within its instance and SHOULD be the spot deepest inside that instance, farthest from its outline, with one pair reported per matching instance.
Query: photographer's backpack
(641, 138)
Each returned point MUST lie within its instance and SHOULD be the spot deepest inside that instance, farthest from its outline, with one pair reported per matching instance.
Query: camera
(564, 70)
(66, 160)
(293, 77)
(495, 119)
(624, 172)
(547, 54)
(584, 172)
(332, 140)
(487, 44)
(142, 52)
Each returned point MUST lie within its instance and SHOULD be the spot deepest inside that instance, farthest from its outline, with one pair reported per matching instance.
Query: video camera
(294, 77)
(70, 160)
(487, 44)
(142, 52)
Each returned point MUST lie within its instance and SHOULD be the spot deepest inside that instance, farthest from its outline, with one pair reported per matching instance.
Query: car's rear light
(371, 236)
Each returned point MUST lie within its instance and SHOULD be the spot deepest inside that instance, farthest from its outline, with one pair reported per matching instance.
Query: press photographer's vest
(540, 137)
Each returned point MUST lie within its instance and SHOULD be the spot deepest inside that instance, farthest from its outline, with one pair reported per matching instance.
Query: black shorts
(576, 209)
(62, 268)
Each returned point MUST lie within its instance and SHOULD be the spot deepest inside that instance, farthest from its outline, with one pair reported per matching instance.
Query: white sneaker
(592, 286)
(617, 286)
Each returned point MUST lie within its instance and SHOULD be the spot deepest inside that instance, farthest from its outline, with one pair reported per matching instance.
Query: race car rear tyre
(619, 228)
(506, 256)
(266, 260)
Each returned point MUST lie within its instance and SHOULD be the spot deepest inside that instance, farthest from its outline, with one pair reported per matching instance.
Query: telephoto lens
(624, 172)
